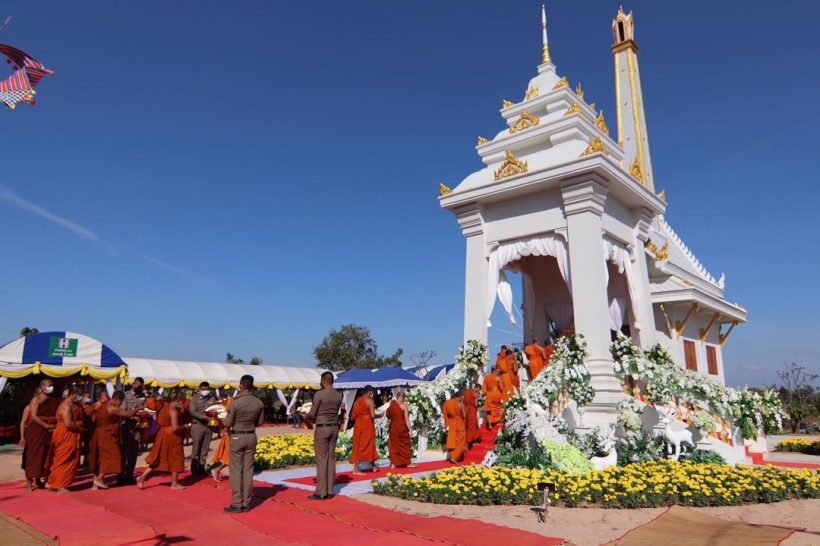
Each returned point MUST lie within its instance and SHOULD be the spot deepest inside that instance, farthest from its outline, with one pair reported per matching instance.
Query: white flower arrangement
(703, 421)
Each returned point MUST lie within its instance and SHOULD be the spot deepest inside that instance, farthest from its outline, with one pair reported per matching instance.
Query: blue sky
(245, 176)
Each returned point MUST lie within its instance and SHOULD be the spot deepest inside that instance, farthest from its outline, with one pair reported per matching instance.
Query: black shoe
(317, 497)
(233, 509)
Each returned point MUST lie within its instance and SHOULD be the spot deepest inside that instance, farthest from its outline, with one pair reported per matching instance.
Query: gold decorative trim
(592, 105)
(545, 54)
(524, 122)
(636, 172)
(662, 196)
(482, 140)
(531, 93)
(510, 167)
(661, 254)
(574, 109)
(600, 123)
(443, 190)
(563, 82)
(506, 104)
(579, 91)
(595, 147)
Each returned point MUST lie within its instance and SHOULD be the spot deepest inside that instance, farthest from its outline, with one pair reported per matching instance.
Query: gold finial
(595, 147)
(443, 190)
(636, 171)
(524, 122)
(506, 104)
(482, 140)
(563, 82)
(579, 91)
(600, 123)
(663, 253)
(531, 93)
(574, 109)
(545, 46)
(662, 196)
(510, 167)
(592, 105)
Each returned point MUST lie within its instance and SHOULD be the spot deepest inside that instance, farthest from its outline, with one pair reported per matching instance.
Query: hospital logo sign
(62, 346)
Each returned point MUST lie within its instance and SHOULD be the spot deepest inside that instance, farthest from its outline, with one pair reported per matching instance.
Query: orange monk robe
(547, 355)
(472, 432)
(452, 410)
(167, 453)
(222, 455)
(536, 356)
(508, 368)
(65, 450)
(104, 454)
(38, 439)
(493, 403)
(364, 433)
(398, 445)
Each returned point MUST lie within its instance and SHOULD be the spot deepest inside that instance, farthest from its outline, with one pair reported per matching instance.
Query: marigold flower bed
(799, 445)
(287, 450)
(651, 484)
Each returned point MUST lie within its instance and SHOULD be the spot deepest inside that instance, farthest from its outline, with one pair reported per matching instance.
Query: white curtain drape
(545, 245)
(529, 301)
(617, 311)
(109, 387)
(348, 397)
(561, 314)
(619, 255)
(3, 381)
(282, 398)
(505, 295)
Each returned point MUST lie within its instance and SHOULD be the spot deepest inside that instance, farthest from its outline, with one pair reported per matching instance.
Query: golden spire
(545, 46)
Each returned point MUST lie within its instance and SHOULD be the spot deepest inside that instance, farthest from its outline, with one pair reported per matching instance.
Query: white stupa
(574, 210)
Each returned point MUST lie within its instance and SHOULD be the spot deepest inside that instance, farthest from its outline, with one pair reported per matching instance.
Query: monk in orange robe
(42, 420)
(222, 455)
(493, 402)
(64, 454)
(167, 454)
(505, 361)
(104, 453)
(472, 432)
(364, 413)
(399, 445)
(453, 412)
(537, 358)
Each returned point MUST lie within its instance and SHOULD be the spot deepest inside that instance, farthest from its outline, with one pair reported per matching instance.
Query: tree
(255, 361)
(796, 393)
(28, 331)
(351, 346)
(422, 360)
(230, 359)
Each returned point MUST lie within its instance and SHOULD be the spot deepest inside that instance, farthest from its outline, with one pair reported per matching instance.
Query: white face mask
(49, 389)
(204, 393)
(88, 400)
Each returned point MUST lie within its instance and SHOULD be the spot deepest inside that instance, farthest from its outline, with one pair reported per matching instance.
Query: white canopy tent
(181, 373)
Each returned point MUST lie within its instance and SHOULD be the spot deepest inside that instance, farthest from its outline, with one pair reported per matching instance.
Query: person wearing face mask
(129, 431)
(64, 453)
(41, 422)
(200, 432)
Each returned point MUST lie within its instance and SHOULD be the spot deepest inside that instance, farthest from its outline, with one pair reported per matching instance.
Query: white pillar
(584, 200)
(643, 310)
(475, 282)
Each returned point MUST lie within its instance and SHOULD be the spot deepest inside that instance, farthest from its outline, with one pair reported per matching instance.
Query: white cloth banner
(348, 397)
(3, 381)
(109, 387)
(505, 295)
(561, 314)
(545, 245)
(281, 396)
(619, 255)
(617, 311)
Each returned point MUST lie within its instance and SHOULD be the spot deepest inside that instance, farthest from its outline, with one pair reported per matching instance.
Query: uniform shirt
(325, 409)
(198, 406)
(132, 401)
(246, 412)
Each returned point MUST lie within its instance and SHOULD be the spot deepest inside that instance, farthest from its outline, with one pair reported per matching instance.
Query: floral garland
(666, 381)
(425, 401)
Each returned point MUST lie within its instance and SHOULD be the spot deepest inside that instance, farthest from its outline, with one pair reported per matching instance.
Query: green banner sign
(62, 346)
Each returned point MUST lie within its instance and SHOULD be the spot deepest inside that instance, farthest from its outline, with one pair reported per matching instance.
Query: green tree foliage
(351, 346)
(28, 331)
(231, 359)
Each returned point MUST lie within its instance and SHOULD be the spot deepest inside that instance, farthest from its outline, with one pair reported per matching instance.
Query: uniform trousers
(243, 448)
(324, 446)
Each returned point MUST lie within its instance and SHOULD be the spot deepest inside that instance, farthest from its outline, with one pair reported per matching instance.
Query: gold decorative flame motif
(563, 82)
(662, 196)
(531, 93)
(592, 105)
(511, 167)
(524, 122)
(443, 190)
(506, 104)
(482, 140)
(595, 147)
(600, 123)
(660, 255)
(579, 91)
(574, 109)
(636, 172)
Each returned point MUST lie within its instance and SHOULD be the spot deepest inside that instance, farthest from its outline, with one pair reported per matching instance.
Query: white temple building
(574, 209)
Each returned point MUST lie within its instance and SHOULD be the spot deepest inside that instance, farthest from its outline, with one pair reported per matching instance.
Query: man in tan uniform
(325, 413)
(200, 432)
(245, 414)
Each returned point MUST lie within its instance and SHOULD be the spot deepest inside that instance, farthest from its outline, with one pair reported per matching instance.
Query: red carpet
(759, 460)
(159, 516)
